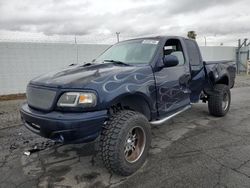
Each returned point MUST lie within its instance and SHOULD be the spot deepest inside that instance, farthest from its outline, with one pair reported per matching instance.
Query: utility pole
(76, 50)
(205, 40)
(118, 35)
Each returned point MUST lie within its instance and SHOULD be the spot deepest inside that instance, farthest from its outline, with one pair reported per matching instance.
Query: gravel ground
(242, 81)
(9, 113)
(194, 149)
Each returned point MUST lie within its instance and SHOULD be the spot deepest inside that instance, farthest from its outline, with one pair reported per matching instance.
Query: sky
(220, 22)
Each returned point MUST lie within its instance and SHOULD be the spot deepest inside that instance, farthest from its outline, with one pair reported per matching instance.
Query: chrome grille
(40, 98)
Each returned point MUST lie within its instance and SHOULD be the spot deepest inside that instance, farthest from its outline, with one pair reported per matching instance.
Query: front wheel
(125, 141)
(219, 100)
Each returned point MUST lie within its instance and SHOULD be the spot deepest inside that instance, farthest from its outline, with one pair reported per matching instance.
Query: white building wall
(20, 62)
(215, 53)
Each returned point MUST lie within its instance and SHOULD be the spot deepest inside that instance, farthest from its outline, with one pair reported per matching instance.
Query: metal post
(245, 42)
(205, 40)
(238, 56)
(76, 50)
(117, 35)
(248, 67)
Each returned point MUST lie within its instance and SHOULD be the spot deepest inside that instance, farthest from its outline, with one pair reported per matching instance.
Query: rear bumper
(66, 127)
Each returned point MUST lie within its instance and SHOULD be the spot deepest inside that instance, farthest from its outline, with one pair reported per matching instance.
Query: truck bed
(219, 70)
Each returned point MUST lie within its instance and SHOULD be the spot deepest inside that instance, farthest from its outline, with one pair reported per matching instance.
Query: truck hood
(79, 76)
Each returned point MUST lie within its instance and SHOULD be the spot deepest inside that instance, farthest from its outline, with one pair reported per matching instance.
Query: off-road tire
(113, 137)
(215, 100)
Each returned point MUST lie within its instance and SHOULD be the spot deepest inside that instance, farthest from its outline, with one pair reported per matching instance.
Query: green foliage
(191, 35)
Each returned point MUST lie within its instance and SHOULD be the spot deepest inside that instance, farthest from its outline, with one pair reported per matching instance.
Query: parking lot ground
(193, 149)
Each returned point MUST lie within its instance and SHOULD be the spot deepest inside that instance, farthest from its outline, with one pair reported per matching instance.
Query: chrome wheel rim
(134, 144)
(225, 101)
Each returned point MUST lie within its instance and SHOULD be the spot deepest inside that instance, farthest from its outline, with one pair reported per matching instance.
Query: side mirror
(170, 61)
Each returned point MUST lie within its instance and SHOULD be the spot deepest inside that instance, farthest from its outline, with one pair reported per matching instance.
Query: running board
(158, 122)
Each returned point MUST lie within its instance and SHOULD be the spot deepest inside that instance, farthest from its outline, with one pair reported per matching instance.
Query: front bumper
(64, 126)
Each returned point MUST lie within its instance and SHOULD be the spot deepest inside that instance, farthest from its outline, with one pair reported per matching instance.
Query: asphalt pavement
(193, 149)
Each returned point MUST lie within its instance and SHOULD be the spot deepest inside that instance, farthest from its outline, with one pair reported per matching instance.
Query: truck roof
(160, 37)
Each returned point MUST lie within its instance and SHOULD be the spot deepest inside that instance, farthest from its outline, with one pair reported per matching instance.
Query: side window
(174, 47)
(193, 52)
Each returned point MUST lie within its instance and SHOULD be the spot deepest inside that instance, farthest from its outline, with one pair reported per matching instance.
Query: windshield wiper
(116, 62)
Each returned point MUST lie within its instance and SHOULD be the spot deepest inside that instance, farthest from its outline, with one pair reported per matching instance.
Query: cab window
(174, 47)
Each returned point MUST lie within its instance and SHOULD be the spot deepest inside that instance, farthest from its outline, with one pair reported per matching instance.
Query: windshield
(130, 52)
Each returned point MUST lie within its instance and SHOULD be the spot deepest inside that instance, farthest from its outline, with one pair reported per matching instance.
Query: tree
(191, 35)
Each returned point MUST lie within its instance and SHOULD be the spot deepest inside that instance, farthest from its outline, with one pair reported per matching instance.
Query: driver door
(172, 83)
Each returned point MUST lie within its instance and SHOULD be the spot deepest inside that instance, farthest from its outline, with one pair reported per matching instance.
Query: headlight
(77, 99)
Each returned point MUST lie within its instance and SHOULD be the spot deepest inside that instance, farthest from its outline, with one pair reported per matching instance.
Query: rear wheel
(219, 100)
(125, 141)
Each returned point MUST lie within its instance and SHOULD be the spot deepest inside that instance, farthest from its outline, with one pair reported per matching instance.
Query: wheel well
(223, 80)
(134, 102)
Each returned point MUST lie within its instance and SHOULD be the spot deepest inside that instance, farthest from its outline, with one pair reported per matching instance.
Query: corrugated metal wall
(20, 62)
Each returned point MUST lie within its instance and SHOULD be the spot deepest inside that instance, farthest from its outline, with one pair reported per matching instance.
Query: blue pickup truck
(118, 96)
